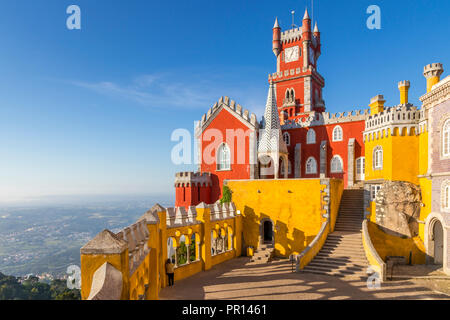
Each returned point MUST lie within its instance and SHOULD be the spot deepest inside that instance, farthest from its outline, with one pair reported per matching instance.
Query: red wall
(224, 120)
(350, 130)
(188, 195)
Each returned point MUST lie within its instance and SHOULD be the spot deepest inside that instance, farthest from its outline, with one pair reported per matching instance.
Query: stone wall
(130, 264)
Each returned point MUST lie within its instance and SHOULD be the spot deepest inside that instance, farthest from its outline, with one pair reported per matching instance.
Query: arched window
(287, 138)
(311, 166)
(311, 137)
(445, 195)
(336, 164)
(223, 157)
(337, 133)
(378, 158)
(193, 254)
(446, 139)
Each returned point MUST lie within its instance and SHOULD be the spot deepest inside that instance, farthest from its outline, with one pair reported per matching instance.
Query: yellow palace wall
(295, 207)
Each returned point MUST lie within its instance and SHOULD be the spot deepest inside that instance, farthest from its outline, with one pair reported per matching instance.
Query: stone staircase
(263, 254)
(343, 253)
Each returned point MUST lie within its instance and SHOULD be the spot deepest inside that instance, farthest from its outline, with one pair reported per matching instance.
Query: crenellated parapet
(136, 236)
(391, 119)
(325, 118)
(236, 109)
(130, 264)
(193, 179)
(291, 35)
(179, 216)
(295, 73)
(222, 211)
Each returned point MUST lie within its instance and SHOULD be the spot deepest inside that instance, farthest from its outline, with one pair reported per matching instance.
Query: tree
(226, 195)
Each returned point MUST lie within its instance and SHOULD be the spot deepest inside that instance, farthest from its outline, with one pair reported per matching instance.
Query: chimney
(403, 86)
(377, 104)
(432, 72)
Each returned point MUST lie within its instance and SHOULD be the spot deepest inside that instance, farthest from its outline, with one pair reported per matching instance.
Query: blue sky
(91, 111)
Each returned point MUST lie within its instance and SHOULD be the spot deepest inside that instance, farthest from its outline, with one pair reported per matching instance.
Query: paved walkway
(237, 279)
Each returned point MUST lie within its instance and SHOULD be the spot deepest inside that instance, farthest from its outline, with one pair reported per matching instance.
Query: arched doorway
(267, 231)
(438, 242)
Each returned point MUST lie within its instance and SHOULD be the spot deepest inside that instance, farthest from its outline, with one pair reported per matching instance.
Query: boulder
(398, 206)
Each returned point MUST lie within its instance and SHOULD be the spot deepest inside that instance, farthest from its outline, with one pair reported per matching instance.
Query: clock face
(291, 54)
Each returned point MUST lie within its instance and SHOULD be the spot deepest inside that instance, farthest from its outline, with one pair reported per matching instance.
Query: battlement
(291, 73)
(129, 264)
(404, 84)
(325, 118)
(291, 35)
(433, 70)
(193, 179)
(398, 117)
(225, 102)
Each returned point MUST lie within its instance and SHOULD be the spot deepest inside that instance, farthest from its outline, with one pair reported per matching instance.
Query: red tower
(192, 188)
(298, 84)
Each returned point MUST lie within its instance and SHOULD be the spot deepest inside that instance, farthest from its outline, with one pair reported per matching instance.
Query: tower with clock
(298, 83)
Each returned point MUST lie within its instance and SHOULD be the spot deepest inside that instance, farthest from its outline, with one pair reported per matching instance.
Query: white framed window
(374, 190)
(337, 164)
(311, 166)
(361, 168)
(311, 136)
(337, 133)
(223, 157)
(446, 139)
(378, 158)
(445, 195)
(287, 138)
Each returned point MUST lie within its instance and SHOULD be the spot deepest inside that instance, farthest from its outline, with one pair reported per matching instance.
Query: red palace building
(296, 137)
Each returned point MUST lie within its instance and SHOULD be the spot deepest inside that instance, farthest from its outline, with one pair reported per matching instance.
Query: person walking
(170, 272)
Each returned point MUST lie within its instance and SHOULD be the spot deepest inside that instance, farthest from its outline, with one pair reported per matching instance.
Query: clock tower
(298, 84)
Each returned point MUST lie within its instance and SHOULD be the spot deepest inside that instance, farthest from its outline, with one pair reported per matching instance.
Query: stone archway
(437, 242)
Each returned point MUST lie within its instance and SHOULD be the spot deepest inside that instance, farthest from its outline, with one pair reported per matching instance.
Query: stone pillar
(154, 219)
(276, 164)
(307, 94)
(253, 158)
(323, 159)
(298, 161)
(351, 162)
(286, 166)
(204, 215)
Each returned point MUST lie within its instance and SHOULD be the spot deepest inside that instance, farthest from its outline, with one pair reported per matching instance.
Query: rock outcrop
(398, 208)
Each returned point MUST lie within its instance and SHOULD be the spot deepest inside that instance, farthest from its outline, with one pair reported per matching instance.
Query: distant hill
(12, 288)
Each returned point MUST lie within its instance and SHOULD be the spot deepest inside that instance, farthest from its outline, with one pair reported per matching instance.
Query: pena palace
(296, 138)
(346, 194)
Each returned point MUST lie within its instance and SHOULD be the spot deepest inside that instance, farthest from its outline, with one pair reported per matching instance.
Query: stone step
(357, 261)
(344, 246)
(335, 274)
(334, 270)
(337, 266)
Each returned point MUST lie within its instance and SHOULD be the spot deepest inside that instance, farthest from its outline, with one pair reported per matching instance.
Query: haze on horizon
(89, 114)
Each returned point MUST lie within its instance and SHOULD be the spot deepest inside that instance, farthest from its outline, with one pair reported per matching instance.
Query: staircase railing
(313, 248)
(374, 259)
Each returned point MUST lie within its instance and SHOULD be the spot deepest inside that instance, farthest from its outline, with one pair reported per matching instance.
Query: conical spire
(271, 138)
(306, 16)
(316, 29)
(276, 25)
